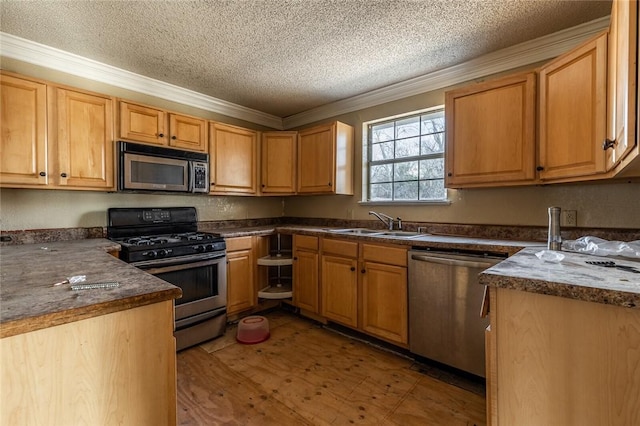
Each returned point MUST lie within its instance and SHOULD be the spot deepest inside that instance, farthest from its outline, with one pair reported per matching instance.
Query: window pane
(382, 151)
(381, 191)
(407, 147)
(381, 173)
(432, 123)
(382, 132)
(432, 190)
(408, 127)
(405, 190)
(407, 170)
(432, 168)
(431, 144)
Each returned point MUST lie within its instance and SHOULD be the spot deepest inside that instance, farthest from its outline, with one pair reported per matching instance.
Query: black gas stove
(160, 233)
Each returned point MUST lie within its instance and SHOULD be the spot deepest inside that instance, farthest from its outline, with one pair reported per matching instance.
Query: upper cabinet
(278, 153)
(81, 137)
(55, 136)
(490, 132)
(573, 112)
(23, 147)
(233, 159)
(622, 78)
(325, 159)
(159, 127)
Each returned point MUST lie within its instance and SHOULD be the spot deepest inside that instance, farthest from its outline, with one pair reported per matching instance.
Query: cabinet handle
(608, 143)
(43, 174)
(353, 268)
(449, 174)
(329, 183)
(539, 168)
(174, 137)
(161, 135)
(263, 185)
(64, 175)
(295, 258)
(363, 271)
(213, 184)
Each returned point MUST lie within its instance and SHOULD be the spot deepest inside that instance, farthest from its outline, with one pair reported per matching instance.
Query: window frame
(366, 160)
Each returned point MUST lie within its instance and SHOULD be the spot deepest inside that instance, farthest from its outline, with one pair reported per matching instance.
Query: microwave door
(155, 173)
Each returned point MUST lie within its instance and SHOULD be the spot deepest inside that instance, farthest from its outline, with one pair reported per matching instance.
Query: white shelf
(279, 291)
(277, 260)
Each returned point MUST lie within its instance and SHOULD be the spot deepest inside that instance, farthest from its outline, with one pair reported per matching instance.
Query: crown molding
(49, 57)
(529, 52)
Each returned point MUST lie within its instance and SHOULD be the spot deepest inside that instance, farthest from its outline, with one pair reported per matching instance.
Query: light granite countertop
(572, 277)
(29, 301)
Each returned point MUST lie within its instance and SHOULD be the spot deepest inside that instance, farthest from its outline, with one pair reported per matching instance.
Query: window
(405, 158)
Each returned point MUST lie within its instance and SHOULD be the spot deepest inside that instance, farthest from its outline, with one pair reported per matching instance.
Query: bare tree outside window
(406, 158)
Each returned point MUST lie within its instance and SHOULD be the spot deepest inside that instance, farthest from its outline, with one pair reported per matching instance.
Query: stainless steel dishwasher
(444, 307)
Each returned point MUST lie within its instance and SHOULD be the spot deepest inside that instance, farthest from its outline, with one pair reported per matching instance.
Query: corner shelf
(277, 289)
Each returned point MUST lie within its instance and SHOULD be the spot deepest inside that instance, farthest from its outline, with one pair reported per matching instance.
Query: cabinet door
(340, 290)
(573, 112)
(233, 159)
(490, 133)
(316, 160)
(23, 120)
(279, 162)
(305, 280)
(241, 292)
(81, 139)
(187, 133)
(384, 301)
(622, 72)
(143, 124)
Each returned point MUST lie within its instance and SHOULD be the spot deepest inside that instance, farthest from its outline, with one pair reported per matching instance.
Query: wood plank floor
(307, 375)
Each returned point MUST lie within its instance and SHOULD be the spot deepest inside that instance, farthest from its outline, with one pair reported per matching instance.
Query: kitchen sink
(356, 231)
(400, 234)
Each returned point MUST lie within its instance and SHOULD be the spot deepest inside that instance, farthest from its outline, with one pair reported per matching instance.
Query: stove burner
(146, 241)
(194, 236)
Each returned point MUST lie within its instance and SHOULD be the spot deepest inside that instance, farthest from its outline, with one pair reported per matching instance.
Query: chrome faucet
(387, 220)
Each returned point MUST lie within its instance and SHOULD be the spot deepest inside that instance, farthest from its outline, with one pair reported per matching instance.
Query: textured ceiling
(287, 56)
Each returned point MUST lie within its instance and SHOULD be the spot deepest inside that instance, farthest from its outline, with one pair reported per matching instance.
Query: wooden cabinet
(55, 136)
(573, 93)
(490, 133)
(384, 300)
(81, 139)
(241, 271)
(278, 153)
(364, 286)
(118, 368)
(339, 281)
(233, 159)
(325, 159)
(306, 288)
(156, 126)
(622, 77)
(23, 121)
(562, 361)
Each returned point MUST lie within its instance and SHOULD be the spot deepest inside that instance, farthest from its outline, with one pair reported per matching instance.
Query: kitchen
(505, 208)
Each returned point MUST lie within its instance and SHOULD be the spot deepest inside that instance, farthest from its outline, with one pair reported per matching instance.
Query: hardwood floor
(307, 375)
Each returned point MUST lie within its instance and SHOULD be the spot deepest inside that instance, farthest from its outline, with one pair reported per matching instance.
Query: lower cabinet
(558, 361)
(364, 286)
(306, 288)
(241, 268)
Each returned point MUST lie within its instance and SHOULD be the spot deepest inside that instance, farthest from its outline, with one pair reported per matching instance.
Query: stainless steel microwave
(154, 168)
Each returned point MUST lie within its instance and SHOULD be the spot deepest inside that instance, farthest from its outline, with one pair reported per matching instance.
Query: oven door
(154, 173)
(203, 280)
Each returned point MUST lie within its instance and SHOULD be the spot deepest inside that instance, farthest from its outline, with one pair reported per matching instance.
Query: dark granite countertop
(29, 302)
(572, 277)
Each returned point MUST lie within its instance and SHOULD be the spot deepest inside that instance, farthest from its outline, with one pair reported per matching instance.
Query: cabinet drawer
(384, 254)
(339, 247)
(240, 243)
(305, 242)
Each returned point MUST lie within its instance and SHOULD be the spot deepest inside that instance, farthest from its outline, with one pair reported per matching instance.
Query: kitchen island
(100, 356)
(564, 342)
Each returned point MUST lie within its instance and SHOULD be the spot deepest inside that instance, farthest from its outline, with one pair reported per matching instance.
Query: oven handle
(183, 266)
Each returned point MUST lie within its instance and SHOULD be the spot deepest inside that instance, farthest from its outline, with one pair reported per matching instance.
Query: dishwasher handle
(454, 262)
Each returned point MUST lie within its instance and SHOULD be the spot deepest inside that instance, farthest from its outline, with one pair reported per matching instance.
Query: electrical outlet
(569, 218)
